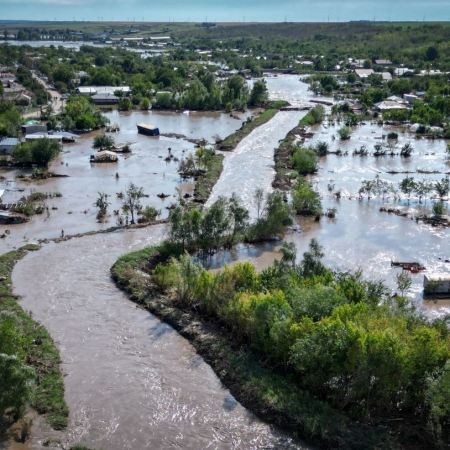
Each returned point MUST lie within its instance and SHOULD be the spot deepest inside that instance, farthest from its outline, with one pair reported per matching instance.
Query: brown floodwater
(131, 381)
(145, 166)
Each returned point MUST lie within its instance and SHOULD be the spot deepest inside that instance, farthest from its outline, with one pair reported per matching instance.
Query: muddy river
(131, 381)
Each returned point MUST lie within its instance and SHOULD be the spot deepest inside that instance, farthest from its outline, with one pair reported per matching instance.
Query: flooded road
(250, 166)
(131, 381)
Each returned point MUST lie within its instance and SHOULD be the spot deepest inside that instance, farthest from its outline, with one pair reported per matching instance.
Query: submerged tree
(102, 205)
(132, 203)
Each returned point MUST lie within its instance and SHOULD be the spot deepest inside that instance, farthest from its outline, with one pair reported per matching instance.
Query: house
(6, 77)
(364, 73)
(93, 90)
(386, 76)
(358, 63)
(383, 62)
(441, 282)
(402, 70)
(388, 105)
(410, 98)
(33, 128)
(7, 145)
(394, 98)
(36, 136)
(105, 99)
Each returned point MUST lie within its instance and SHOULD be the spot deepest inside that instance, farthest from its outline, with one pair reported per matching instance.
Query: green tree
(404, 282)
(304, 161)
(305, 199)
(102, 142)
(259, 94)
(44, 150)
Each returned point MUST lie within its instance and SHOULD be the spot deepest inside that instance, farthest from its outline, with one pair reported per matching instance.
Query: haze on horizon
(231, 11)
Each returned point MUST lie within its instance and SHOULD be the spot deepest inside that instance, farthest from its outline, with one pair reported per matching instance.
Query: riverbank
(231, 142)
(272, 395)
(41, 351)
(204, 184)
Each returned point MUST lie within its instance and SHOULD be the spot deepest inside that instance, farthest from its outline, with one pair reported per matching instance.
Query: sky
(226, 10)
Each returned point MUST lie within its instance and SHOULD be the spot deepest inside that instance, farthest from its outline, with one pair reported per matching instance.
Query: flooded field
(131, 381)
(145, 166)
(360, 237)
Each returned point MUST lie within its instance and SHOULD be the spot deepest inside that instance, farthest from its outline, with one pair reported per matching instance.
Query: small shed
(442, 278)
(7, 145)
(33, 128)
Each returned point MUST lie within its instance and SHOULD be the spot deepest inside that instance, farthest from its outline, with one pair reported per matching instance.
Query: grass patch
(277, 104)
(230, 142)
(42, 353)
(308, 120)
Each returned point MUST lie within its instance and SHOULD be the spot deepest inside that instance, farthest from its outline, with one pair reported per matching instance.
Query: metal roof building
(7, 145)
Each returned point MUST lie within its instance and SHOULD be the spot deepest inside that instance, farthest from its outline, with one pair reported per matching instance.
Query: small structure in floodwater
(149, 130)
(104, 156)
(437, 285)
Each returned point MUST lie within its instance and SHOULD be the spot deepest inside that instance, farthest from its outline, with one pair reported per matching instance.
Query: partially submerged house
(437, 283)
(37, 136)
(104, 156)
(7, 145)
(388, 105)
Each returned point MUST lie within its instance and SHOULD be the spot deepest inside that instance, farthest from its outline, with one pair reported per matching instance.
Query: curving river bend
(131, 381)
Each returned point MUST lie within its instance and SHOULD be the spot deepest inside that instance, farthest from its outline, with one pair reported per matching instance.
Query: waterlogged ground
(145, 166)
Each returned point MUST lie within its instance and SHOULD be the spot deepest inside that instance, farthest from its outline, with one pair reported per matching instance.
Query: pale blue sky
(228, 10)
